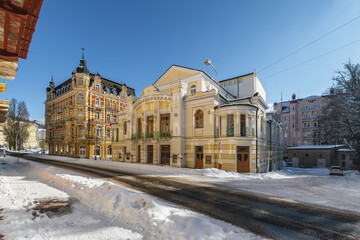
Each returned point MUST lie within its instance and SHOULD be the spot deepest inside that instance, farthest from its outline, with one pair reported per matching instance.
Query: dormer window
(97, 87)
(193, 89)
(124, 95)
(80, 81)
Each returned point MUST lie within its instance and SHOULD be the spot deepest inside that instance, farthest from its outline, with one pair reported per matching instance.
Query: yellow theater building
(175, 122)
(80, 111)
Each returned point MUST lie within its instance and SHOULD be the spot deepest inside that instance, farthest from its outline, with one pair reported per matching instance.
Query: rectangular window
(139, 125)
(115, 119)
(293, 116)
(124, 128)
(80, 112)
(343, 156)
(164, 124)
(285, 118)
(97, 87)
(243, 125)
(150, 126)
(108, 117)
(230, 125)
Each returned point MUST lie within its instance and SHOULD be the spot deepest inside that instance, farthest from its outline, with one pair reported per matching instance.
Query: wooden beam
(12, 9)
(6, 31)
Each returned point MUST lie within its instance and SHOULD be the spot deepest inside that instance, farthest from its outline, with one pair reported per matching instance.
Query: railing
(230, 132)
(243, 131)
(154, 135)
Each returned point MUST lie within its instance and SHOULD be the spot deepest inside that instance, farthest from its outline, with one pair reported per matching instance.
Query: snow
(99, 209)
(307, 185)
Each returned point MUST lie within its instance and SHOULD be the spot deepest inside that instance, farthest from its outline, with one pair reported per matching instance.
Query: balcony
(154, 135)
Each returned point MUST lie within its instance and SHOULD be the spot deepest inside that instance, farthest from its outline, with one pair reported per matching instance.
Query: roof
(107, 84)
(174, 65)
(344, 150)
(312, 97)
(314, 147)
(248, 74)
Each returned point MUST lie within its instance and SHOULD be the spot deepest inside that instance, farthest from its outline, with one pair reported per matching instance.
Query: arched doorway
(82, 151)
(97, 152)
(109, 152)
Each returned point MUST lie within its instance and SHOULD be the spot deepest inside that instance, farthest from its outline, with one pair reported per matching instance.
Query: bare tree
(340, 119)
(16, 127)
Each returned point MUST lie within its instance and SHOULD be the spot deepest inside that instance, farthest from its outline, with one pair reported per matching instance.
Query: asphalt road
(263, 215)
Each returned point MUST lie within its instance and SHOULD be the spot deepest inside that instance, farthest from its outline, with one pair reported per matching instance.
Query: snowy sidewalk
(313, 186)
(74, 206)
(31, 209)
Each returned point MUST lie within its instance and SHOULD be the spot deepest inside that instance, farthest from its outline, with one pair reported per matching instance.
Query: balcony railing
(243, 131)
(154, 135)
(230, 132)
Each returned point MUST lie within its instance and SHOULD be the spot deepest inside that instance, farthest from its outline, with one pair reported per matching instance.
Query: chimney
(293, 96)
(332, 91)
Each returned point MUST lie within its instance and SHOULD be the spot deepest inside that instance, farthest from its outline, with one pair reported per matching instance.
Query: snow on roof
(314, 147)
(344, 150)
(311, 97)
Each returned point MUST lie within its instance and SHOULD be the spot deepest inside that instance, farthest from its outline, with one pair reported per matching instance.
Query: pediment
(175, 73)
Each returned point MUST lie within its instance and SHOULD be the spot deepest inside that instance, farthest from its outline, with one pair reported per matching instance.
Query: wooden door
(150, 153)
(199, 157)
(165, 154)
(139, 154)
(242, 158)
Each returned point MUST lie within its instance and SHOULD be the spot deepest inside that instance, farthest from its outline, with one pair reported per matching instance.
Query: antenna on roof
(281, 96)
(83, 50)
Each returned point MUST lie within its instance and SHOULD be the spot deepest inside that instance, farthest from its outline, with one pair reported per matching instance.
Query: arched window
(99, 131)
(82, 151)
(80, 97)
(108, 104)
(193, 89)
(115, 105)
(199, 119)
(108, 133)
(80, 81)
(97, 115)
(97, 102)
(97, 150)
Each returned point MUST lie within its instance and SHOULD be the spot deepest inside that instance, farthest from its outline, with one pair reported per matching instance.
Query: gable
(175, 73)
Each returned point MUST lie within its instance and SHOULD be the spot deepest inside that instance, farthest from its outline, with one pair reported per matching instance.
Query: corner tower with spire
(79, 113)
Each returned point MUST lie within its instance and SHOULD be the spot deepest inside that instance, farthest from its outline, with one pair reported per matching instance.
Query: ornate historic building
(174, 122)
(80, 111)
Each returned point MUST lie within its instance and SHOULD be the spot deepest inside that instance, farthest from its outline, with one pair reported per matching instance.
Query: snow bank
(138, 211)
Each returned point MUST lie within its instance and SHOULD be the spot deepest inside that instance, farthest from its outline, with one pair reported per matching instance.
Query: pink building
(300, 118)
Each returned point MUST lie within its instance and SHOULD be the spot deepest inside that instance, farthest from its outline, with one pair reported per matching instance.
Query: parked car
(336, 170)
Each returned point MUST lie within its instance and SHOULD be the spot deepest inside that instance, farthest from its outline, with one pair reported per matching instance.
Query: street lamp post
(208, 63)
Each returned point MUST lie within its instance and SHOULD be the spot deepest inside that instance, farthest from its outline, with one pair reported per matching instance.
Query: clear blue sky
(136, 41)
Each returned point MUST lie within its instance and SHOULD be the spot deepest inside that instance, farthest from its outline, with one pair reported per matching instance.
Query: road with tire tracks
(263, 215)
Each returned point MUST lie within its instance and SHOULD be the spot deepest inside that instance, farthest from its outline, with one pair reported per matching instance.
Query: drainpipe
(256, 135)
